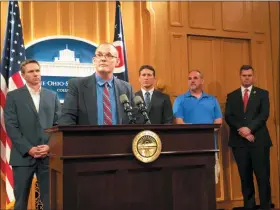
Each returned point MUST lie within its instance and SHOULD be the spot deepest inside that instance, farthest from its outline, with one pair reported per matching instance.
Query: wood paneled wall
(175, 37)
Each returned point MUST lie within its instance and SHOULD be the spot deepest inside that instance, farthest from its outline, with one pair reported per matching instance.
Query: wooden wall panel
(203, 49)
(235, 16)
(178, 74)
(64, 18)
(44, 21)
(205, 21)
(176, 13)
(260, 16)
(175, 37)
(260, 64)
(235, 53)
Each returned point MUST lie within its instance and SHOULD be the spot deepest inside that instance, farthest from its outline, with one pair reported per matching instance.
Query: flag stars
(20, 54)
(22, 46)
(18, 62)
(12, 22)
(13, 50)
(12, 59)
(16, 5)
(15, 42)
(19, 25)
(6, 67)
(120, 35)
(17, 33)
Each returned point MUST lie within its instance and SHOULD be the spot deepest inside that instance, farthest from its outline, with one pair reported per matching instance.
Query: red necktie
(107, 105)
(245, 99)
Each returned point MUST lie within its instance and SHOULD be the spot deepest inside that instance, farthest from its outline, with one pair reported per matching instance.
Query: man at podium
(94, 100)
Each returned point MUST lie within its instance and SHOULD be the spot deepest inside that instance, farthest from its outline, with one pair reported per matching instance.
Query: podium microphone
(142, 108)
(127, 108)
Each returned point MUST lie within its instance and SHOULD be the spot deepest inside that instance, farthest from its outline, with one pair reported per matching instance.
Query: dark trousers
(254, 160)
(23, 176)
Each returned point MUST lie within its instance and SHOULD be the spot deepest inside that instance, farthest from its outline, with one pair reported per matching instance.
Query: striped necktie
(107, 105)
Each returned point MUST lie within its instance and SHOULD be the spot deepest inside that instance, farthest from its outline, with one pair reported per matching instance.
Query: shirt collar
(204, 95)
(31, 90)
(101, 82)
(150, 91)
(249, 89)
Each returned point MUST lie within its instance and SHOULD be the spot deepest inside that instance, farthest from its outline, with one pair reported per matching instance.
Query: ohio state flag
(119, 42)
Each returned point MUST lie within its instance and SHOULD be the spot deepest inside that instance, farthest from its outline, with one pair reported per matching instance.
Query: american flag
(13, 54)
(119, 42)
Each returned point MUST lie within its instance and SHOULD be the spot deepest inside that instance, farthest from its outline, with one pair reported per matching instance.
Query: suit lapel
(153, 99)
(140, 93)
(42, 104)
(251, 99)
(90, 99)
(29, 101)
(117, 95)
(240, 100)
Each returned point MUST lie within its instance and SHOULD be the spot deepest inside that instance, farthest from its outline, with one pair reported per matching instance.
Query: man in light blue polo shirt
(196, 106)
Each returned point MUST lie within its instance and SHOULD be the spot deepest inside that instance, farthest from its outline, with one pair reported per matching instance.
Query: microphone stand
(128, 111)
(143, 111)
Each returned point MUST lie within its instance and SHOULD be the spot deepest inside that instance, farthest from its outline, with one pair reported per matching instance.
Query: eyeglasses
(106, 56)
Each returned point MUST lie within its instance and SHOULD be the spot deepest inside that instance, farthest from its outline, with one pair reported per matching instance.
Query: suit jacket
(25, 126)
(254, 118)
(159, 110)
(80, 105)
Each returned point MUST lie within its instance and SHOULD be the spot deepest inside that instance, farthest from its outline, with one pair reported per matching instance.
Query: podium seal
(146, 146)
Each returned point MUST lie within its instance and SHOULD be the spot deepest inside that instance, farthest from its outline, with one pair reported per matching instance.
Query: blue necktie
(147, 99)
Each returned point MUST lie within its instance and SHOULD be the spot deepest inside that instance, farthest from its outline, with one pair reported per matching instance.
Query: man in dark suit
(158, 104)
(247, 110)
(94, 100)
(28, 111)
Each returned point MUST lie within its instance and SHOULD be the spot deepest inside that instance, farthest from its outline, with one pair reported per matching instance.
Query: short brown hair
(25, 62)
(246, 67)
(147, 67)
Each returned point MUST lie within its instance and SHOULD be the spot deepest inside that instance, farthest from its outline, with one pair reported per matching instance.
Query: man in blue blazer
(28, 111)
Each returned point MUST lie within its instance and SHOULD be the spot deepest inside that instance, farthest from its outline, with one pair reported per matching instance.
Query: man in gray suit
(94, 100)
(28, 111)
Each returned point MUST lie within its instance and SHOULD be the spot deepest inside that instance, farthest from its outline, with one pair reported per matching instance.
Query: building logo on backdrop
(62, 58)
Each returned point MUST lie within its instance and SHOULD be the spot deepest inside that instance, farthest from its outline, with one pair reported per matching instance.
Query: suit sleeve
(167, 111)
(57, 110)
(229, 114)
(69, 113)
(261, 118)
(12, 127)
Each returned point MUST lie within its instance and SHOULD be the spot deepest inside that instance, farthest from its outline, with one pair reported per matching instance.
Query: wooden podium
(93, 167)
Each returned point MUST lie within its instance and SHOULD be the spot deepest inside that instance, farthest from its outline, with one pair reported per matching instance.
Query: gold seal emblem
(146, 146)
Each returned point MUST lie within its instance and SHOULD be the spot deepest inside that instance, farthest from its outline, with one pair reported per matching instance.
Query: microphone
(142, 108)
(127, 108)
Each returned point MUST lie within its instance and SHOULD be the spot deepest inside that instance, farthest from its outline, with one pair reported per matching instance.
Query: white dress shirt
(150, 91)
(35, 96)
(243, 90)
